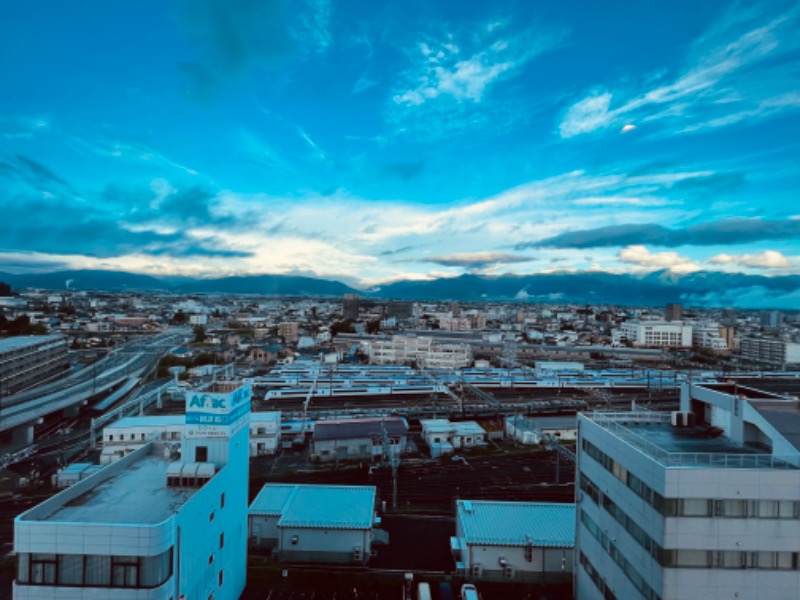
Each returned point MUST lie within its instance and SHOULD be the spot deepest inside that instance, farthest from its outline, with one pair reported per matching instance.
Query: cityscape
(320, 300)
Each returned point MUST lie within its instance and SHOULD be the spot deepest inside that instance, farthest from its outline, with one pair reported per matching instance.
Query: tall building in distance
(771, 319)
(153, 525)
(350, 307)
(674, 312)
(690, 505)
(399, 309)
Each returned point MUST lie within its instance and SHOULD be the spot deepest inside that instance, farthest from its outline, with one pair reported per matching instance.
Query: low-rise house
(514, 541)
(444, 437)
(536, 430)
(358, 439)
(313, 523)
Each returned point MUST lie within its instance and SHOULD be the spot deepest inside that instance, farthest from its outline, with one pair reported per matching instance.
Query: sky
(371, 142)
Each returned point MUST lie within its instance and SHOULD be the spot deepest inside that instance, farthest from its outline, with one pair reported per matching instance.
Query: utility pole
(394, 462)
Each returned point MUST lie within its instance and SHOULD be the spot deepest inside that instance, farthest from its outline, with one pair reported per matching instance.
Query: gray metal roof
(359, 428)
(17, 343)
(493, 523)
(317, 506)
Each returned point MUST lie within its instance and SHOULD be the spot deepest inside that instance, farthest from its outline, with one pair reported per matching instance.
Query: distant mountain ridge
(703, 288)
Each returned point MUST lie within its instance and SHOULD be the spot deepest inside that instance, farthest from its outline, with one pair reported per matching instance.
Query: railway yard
(427, 488)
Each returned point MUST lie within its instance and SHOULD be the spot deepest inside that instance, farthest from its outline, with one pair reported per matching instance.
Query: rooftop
(784, 416)
(517, 523)
(318, 506)
(358, 428)
(148, 421)
(652, 434)
(137, 494)
(16, 343)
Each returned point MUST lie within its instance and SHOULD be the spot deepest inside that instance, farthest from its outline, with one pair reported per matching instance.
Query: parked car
(469, 592)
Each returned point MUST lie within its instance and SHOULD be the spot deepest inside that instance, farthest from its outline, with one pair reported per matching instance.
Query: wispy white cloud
(313, 29)
(451, 77)
(736, 71)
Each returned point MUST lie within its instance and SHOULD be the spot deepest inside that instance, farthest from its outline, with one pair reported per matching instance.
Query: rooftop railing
(616, 424)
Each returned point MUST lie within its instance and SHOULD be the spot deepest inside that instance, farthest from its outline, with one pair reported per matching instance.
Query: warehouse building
(359, 439)
(514, 541)
(150, 526)
(313, 523)
(30, 360)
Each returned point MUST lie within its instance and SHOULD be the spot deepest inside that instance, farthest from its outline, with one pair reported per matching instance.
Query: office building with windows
(658, 334)
(693, 505)
(165, 522)
(30, 360)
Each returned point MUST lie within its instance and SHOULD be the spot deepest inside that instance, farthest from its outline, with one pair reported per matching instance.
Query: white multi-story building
(126, 435)
(700, 504)
(28, 360)
(712, 336)
(422, 350)
(662, 334)
(769, 351)
(152, 525)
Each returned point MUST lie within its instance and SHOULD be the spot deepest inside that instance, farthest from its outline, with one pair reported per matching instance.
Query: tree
(5, 289)
(373, 326)
(199, 334)
(180, 317)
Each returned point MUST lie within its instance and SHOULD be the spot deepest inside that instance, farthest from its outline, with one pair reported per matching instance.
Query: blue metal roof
(317, 506)
(517, 523)
(271, 499)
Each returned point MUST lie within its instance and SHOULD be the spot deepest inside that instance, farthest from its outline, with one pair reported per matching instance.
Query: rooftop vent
(189, 475)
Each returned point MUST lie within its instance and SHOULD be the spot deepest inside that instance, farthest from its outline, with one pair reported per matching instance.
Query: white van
(423, 591)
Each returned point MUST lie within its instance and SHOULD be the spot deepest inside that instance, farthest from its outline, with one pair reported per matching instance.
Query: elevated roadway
(129, 360)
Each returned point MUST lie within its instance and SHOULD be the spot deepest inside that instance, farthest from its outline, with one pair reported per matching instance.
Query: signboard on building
(217, 414)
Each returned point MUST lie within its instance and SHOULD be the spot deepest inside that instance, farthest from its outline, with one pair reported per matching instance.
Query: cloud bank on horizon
(374, 142)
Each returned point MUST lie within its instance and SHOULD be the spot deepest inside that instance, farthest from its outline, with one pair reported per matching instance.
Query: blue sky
(375, 141)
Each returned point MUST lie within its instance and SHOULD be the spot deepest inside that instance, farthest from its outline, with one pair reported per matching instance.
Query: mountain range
(704, 288)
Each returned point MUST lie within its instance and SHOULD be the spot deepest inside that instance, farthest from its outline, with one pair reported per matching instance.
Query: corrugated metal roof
(318, 506)
(330, 507)
(359, 428)
(271, 499)
(517, 523)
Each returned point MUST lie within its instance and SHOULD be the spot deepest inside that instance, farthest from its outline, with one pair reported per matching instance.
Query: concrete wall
(324, 545)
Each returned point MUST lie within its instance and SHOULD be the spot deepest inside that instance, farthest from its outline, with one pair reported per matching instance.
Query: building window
(221, 540)
(201, 454)
(211, 516)
(222, 500)
(43, 568)
(124, 571)
(220, 577)
(210, 559)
